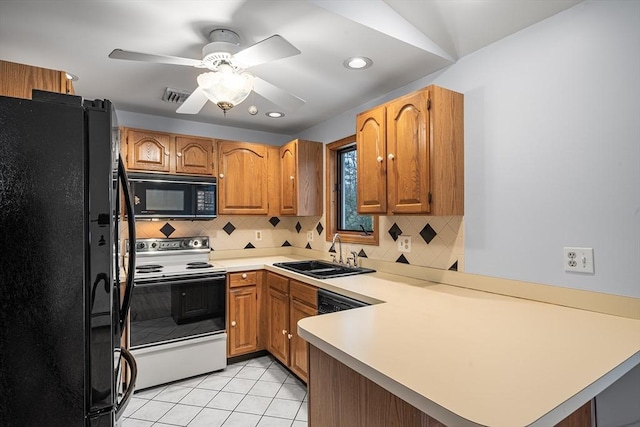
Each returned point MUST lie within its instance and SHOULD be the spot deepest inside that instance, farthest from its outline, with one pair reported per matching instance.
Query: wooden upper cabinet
(195, 156)
(148, 151)
(152, 151)
(18, 80)
(242, 178)
(408, 154)
(301, 178)
(371, 149)
(411, 155)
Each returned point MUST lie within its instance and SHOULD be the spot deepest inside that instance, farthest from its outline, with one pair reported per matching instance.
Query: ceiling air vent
(175, 96)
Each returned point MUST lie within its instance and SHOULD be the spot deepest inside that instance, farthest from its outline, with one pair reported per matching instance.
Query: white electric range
(178, 309)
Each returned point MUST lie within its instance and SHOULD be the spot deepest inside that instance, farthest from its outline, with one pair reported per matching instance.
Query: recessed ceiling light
(357, 63)
(274, 114)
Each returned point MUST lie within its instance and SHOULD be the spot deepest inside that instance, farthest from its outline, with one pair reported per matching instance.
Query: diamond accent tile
(229, 228)
(332, 248)
(308, 246)
(286, 243)
(298, 227)
(362, 254)
(274, 220)
(454, 266)
(167, 230)
(319, 228)
(401, 259)
(249, 246)
(395, 231)
(428, 233)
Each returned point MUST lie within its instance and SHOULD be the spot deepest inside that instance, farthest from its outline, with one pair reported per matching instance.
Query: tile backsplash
(436, 242)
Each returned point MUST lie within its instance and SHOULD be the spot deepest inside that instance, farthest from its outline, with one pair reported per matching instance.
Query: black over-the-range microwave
(157, 196)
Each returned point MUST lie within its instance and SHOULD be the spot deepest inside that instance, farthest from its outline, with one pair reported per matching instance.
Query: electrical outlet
(310, 236)
(578, 260)
(258, 235)
(404, 243)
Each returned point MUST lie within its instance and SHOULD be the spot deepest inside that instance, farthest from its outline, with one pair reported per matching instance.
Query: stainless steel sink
(322, 269)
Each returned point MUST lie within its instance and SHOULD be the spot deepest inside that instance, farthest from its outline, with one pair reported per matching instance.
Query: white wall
(164, 124)
(552, 148)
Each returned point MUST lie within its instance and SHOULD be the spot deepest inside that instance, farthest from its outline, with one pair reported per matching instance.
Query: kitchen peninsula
(463, 356)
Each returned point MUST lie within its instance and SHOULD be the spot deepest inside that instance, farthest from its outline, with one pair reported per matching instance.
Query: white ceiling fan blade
(276, 95)
(158, 59)
(381, 17)
(270, 49)
(194, 103)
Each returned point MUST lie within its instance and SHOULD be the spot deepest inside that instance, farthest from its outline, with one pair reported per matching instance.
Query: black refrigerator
(63, 189)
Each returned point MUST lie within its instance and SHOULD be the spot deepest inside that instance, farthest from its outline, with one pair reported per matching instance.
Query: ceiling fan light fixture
(226, 87)
(357, 63)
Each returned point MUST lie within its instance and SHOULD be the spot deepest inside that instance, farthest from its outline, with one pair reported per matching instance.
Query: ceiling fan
(227, 83)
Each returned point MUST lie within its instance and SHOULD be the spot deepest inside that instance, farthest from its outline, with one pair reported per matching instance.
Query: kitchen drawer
(278, 282)
(304, 293)
(244, 278)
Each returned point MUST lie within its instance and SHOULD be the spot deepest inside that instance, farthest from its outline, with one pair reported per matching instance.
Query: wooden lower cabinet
(339, 396)
(243, 297)
(287, 302)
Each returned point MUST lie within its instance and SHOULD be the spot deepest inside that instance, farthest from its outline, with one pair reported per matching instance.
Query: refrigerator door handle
(131, 224)
(122, 405)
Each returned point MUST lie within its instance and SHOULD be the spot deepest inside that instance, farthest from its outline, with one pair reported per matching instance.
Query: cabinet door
(18, 80)
(243, 320)
(371, 152)
(194, 156)
(408, 157)
(278, 316)
(288, 179)
(242, 183)
(148, 151)
(299, 349)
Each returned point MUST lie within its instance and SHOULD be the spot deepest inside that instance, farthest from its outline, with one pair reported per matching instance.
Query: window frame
(331, 156)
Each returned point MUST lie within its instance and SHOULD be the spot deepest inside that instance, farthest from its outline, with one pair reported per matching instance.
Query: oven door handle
(149, 282)
(128, 201)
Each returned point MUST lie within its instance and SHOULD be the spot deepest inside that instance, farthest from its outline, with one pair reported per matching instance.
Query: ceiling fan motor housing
(224, 44)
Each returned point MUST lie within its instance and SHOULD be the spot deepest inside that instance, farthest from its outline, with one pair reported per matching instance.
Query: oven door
(174, 309)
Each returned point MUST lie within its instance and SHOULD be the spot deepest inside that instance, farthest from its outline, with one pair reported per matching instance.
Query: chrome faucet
(333, 243)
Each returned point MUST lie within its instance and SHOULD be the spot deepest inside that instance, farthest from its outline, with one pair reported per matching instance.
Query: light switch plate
(578, 260)
(258, 235)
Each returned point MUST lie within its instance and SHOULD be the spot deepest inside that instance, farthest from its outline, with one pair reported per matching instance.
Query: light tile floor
(255, 393)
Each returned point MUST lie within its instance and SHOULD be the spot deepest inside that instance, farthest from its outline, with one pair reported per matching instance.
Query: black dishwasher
(330, 302)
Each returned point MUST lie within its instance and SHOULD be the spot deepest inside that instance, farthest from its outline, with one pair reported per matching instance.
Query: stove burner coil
(144, 268)
(194, 265)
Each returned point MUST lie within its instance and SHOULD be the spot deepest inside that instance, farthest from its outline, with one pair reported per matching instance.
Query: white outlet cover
(578, 260)
(310, 236)
(404, 244)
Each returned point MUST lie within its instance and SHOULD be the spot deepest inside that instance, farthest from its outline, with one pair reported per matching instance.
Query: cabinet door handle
(179, 154)
(289, 335)
(233, 323)
(166, 152)
(284, 332)
(379, 159)
(291, 177)
(391, 156)
(221, 175)
(244, 275)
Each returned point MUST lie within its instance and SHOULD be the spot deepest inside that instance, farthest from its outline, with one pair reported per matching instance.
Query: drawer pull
(233, 323)
(244, 275)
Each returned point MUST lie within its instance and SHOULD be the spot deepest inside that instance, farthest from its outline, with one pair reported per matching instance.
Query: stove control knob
(140, 245)
(154, 244)
(205, 242)
(196, 243)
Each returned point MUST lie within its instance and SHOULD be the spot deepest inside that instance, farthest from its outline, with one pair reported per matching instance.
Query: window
(342, 215)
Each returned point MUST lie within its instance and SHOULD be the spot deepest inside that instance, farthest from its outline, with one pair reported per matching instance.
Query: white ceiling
(406, 39)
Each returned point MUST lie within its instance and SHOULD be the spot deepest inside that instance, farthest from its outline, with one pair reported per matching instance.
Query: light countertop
(468, 357)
